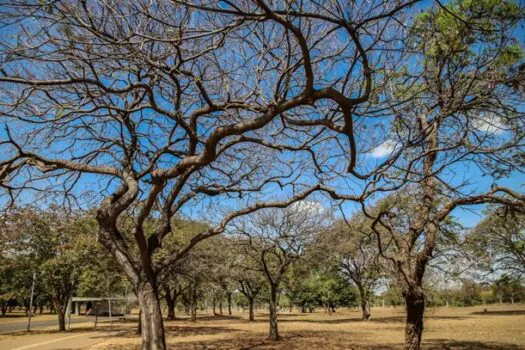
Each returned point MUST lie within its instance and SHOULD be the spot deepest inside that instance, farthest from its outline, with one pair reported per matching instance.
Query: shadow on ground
(499, 313)
(467, 345)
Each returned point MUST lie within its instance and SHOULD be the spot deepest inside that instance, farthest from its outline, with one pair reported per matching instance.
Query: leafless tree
(150, 107)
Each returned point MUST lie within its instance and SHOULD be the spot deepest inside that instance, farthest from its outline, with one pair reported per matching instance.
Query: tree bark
(193, 306)
(229, 304)
(171, 302)
(139, 326)
(220, 306)
(365, 307)
(415, 305)
(251, 316)
(274, 331)
(61, 320)
(152, 328)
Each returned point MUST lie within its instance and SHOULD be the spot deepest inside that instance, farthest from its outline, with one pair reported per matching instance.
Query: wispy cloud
(489, 123)
(384, 149)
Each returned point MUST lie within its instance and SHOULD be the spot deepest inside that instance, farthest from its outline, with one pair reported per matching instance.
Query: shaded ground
(501, 327)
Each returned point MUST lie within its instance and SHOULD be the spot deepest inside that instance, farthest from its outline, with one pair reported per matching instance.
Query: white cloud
(384, 149)
(489, 123)
(310, 207)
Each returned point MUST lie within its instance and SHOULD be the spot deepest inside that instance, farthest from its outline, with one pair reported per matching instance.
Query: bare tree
(149, 107)
(275, 239)
(154, 106)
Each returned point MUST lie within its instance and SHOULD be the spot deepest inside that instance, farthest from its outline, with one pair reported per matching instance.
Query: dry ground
(501, 327)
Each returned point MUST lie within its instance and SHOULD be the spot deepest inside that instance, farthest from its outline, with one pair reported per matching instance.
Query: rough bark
(152, 328)
(251, 316)
(274, 331)
(61, 321)
(171, 302)
(415, 305)
(365, 307)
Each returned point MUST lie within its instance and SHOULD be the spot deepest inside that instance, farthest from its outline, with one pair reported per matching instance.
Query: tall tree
(153, 106)
(459, 111)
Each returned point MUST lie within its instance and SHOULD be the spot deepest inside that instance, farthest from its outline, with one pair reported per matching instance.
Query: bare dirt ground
(501, 327)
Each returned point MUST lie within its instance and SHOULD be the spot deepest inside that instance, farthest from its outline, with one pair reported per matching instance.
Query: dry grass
(502, 327)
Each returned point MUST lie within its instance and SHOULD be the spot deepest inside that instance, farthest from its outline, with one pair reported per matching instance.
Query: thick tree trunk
(274, 331)
(415, 306)
(61, 320)
(152, 328)
(251, 316)
(365, 307)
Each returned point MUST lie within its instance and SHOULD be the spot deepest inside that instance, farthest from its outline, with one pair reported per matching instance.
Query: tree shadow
(214, 318)
(392, 319)
(444, 344)
(187, 331)
(499, 313)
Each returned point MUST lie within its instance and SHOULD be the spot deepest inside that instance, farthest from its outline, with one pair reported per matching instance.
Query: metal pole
(31, 302)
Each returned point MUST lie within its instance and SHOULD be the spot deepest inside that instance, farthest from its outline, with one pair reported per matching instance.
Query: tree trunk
(274, 331)
(214, 306)
(152, 328)
(139, 326)
(365, 307)
(415, 306)
(170, 303)
(220, 306)
(229, 304)
(193, 306)
(251, 317)
(61, 320)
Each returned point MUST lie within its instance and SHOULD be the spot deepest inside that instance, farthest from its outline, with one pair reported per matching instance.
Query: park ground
(500, 327)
